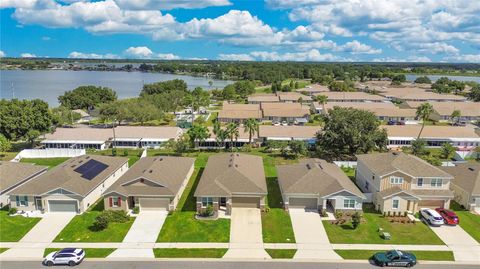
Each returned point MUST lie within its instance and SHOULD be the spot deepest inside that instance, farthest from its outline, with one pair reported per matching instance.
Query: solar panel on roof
(91, 169)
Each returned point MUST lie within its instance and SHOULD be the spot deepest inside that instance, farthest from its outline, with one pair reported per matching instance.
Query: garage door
(431, 203)
(62, 206)
(154, 204)
(253, 202)
(307, 203)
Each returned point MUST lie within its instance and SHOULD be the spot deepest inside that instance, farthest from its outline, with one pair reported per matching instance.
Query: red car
(449, 217)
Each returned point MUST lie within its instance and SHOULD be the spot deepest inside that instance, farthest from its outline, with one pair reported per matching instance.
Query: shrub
(356, 219)
(116, 215)
(136, 210)
(207, 212)
(12, 211)
(101, 222)
(114, 152)
(125, 152)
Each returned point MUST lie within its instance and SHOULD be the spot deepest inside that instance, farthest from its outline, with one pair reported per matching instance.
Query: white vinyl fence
(48, 153)
(346, 164)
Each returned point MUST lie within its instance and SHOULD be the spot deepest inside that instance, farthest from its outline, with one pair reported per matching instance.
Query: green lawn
(277, 227)
(281, 253)
(189, 252)
(3, 249)
(7, 156)
(421, 255)
(12, 229)
(89, 252)
(367, 232)
(468, 221)
(79, 230)
(50, 162)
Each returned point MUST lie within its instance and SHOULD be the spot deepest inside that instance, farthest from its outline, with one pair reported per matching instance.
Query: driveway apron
(246, 239)
(311, 237)
(464, 247)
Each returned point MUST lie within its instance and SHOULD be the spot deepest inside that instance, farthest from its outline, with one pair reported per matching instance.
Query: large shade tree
(87, 97)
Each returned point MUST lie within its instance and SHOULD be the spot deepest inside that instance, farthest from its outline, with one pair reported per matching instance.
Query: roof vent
(161, 159)
(73, 166)
(88, 157)
(236, 165)
(144, 171)
(229, 165)
(81, 161)
(471, 169)
(395, 153)
(150, 171)
(308, 166)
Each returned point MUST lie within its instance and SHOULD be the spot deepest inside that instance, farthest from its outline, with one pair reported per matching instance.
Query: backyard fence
(48, 153)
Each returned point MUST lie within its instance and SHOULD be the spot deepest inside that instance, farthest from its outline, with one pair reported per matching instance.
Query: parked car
(449, 217)
(276, 123)
(400, 123)
(284, 123)
(431, 216)
(391, 122)
(68, 256)
(394, 258)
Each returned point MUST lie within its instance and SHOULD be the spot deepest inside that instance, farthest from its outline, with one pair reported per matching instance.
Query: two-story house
(401, 182)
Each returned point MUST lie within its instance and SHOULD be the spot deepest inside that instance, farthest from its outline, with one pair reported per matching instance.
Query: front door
(223, 201)
(38, 203)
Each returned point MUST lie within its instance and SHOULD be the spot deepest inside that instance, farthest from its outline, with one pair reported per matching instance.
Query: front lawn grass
(12, 229)
(468, 221)
(277, 227)
(89, 252)
(281, 253)
(421, 255)
(3, 250)
(367, 232)
(189, 252)
(80, 230)
(50, 162)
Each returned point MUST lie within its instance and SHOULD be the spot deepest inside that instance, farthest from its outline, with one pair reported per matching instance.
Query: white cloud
(356, 47)
(413, 59)
(235, 57)
(46, 38)
(17, 3)
(167, 56)
(2, 54)
(466, 58)
(81, 55)
(170, 4)
(28, 55)
(139, 52)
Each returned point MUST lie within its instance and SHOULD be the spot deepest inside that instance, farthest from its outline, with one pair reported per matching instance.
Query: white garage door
(62, 206)
(154, 203)
(307, 203)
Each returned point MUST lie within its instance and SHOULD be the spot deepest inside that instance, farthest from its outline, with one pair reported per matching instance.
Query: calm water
(435, 77)
(49, 84)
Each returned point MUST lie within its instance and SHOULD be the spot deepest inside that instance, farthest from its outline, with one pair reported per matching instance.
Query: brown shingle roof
(412, 130)
(465, 176)
(314, 88)
(285, 110)
(293, 96)
(166, 173)
(63, 176)
(288, 131)
(240, 111)
(13, 174)
(469, 109)
(332, 96)
(315, 176)
(232, 173)
(383, 164)
(263, 98)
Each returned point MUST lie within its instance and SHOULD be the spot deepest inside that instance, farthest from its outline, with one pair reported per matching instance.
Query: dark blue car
(394, 258)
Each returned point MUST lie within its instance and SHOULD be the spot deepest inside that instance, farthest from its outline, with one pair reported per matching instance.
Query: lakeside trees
(87, 97)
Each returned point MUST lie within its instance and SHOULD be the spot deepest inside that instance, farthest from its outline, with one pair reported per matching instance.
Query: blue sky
(270, 30)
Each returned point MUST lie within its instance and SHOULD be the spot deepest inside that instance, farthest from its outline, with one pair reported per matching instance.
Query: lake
(435, 77)
(49, 84)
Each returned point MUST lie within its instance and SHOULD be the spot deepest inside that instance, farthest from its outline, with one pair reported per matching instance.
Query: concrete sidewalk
(464, 247)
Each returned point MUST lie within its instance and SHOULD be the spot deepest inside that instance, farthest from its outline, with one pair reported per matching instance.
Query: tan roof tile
(12, 174)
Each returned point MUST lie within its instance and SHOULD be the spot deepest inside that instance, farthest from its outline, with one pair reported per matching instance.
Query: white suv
(70, 256)
(432, 216)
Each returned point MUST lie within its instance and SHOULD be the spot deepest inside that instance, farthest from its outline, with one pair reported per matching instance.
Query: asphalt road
(219, 265)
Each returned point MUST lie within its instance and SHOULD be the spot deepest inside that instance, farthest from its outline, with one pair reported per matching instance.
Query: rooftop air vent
(161, 159)
(471, 169)
(308, 166)
(150, 171)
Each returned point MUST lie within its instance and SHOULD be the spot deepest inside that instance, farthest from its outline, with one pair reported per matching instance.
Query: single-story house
(14, 174)
(288, 133)
(318, 108)
(401, 182)
(239, 112)
(288, 112)
(469, 111)
(78, 138)
(465, 184)
(313, 89)
(232, 180)
(316, 184)
(294, 97)
(152, 183)
(263, 98)
(241, 140)
(422, 96)
(145, 136)
(352, 97)
(72, 186)
(464, 138)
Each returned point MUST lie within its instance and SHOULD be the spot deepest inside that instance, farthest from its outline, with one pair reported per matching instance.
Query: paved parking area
(310, 235)
(464, 247)
(246, 239)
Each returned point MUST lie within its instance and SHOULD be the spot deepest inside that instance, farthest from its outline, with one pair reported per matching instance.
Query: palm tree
(220, 134)
(322, 99)
(251, 126)
(456, 114)
(232, 131)
(423, 112)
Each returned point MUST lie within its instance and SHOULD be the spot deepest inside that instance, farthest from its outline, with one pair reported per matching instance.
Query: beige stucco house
(466, 184)
(152, 183)
(72, 186)
(400, 182)
(232, 180)
(316, 184)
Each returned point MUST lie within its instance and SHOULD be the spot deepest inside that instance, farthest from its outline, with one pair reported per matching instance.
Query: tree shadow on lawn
(346, 227)
(191, 202)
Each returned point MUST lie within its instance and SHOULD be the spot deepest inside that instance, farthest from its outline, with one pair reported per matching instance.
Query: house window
(349, 203)
(395, 203)
(436, 182)
(420, 182)
(115, 201)
(396, 180)
(22, 200)
(206, 201)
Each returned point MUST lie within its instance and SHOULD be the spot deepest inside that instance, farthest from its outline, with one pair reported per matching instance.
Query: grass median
(420, 254)
(281, 253)
(189, 252)
(89, 252)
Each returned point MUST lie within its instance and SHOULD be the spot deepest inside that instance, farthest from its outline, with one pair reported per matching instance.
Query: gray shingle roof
(232, 173)
(13, 174)
(466, 176)
(315, 176)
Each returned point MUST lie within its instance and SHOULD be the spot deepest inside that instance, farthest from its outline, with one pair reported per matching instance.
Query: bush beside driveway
(14, 228)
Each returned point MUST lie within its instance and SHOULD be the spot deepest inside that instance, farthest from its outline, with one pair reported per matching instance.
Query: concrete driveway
(312, 240)
(464, 247)
(142, 235)
(246, 239)
(41, 234)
